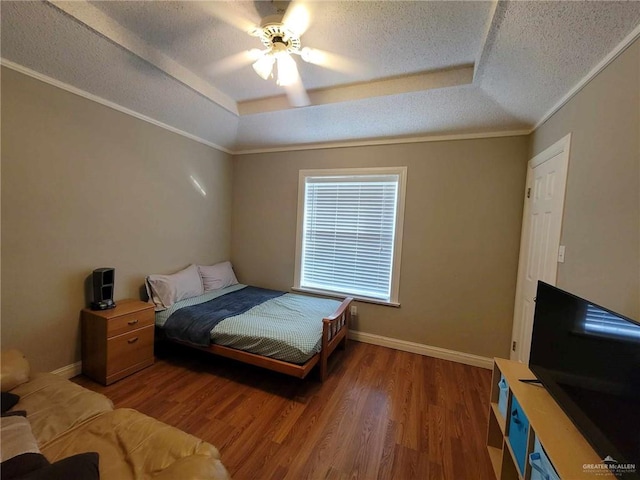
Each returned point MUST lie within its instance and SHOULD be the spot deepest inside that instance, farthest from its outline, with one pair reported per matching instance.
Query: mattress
(288, 327)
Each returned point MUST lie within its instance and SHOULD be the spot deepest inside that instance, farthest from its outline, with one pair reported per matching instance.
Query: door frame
(560, 148)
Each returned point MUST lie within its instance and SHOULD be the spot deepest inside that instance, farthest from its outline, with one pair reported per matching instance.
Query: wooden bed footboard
(334, 332)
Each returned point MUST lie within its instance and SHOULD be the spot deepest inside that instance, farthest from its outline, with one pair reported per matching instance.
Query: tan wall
(461, 236)
(601, 225)
(84, 186)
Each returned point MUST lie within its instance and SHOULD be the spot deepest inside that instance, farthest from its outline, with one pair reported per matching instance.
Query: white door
(540, 240)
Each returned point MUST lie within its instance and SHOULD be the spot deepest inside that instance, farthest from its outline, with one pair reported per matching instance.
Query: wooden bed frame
(334, 334)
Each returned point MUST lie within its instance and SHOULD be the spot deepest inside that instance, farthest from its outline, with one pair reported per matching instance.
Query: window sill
(326, 293)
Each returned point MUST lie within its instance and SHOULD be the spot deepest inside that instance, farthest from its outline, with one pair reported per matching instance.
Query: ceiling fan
(280, 35)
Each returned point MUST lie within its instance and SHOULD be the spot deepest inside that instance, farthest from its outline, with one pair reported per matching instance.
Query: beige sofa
(67, 419)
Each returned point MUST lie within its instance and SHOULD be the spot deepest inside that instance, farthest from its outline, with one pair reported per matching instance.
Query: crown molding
(386, 141)
(107, 103)
(617, 51)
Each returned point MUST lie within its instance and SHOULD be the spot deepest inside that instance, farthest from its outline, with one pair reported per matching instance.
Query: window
(350, 232)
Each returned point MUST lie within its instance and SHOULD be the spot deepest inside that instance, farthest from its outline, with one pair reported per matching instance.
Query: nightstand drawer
(129, 350)
(129, 322)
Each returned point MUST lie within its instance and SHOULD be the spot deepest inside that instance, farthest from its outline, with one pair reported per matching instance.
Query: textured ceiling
(382, 38)
(527, 56)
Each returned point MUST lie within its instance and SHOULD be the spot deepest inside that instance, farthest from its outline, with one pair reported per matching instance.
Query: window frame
(401, 172)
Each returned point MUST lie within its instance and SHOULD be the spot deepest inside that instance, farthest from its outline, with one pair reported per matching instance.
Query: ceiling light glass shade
(263, 66)
(287, 70)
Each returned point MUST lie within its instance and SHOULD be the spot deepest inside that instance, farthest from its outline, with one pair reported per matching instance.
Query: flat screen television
(588, 358)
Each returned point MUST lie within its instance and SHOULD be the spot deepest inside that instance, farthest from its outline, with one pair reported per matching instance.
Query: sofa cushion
(133, 445)
(14, 369)
(54, 405)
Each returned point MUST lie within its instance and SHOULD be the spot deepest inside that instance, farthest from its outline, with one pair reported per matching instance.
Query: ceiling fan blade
(297, 94)
(289, 78)
(234, 62)
(332, 61)
(245, 21)
(297, 17)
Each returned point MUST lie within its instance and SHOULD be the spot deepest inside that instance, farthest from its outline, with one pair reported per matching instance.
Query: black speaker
(103, 284)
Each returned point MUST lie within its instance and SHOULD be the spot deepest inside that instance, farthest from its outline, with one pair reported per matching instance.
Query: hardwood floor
(381, 414)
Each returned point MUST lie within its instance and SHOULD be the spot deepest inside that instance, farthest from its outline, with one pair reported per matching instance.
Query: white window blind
(599, 321)
(348, 234)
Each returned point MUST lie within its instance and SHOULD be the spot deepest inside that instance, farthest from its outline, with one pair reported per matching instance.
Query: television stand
(531, 413)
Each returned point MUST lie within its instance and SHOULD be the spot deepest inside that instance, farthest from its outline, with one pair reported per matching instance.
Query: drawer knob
(132, 322)
(133, 340)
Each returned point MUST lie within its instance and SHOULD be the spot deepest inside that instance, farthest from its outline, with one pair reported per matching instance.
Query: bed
(285, 332)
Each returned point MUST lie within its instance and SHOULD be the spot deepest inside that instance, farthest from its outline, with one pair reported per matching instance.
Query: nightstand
(117, 342)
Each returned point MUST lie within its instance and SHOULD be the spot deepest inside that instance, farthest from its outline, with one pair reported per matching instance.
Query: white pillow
(217, 276)
(165, 290)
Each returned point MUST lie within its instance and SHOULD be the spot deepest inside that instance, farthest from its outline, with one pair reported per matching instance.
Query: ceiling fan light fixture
(277, 33)
(264, 66)
(280, 42)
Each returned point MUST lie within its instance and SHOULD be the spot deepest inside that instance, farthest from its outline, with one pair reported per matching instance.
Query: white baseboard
(75, 369)
(69, 371)
(419, 348)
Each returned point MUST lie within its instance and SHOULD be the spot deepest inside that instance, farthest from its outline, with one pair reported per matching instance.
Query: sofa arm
(14, 369)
